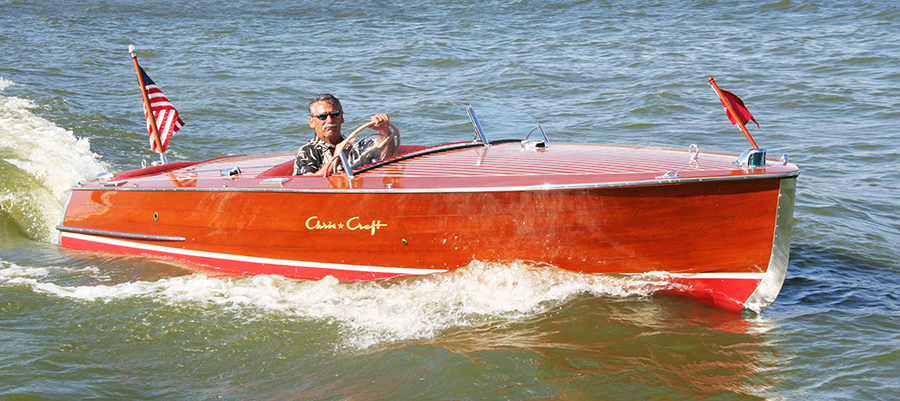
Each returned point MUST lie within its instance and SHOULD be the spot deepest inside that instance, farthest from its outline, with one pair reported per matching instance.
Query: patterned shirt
(312, 156)
(317, 153)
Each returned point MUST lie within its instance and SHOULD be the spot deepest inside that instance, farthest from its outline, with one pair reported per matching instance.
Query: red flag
(167, 120)
(739, 107)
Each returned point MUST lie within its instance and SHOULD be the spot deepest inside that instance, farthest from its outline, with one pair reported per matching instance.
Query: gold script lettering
(353, 225)
(319, 225)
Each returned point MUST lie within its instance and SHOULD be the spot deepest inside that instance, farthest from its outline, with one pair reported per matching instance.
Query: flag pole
(733, 113)
(147, 109)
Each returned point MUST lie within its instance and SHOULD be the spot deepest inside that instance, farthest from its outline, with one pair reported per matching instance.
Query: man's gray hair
(327, 98)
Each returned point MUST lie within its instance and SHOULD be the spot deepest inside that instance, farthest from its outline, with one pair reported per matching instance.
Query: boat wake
(39, 163)
(363, 313)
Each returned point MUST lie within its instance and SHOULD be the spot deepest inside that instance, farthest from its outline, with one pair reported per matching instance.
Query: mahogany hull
(701, 226)
(713, 240)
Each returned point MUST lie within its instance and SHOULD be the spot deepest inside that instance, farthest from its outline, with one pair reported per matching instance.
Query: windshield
(494, 121)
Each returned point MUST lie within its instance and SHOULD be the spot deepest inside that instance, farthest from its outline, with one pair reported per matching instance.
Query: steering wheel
(381, 150)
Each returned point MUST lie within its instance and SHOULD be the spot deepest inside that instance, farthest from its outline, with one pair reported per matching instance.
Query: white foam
(11, 272)
(48, 161)
(5, 83)
(372, 312)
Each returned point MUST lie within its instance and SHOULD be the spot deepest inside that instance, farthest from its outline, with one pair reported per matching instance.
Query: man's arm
(381, 122)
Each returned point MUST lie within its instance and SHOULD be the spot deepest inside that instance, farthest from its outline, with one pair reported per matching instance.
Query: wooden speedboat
(711, 226)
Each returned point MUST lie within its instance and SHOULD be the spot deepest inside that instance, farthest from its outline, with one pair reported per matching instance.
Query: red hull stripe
(728, 291)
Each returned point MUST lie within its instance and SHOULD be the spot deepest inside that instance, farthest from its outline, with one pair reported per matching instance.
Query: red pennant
(739, 107)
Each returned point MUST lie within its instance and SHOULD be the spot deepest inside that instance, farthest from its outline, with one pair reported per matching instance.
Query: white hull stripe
(707, 276)
(248, 259)
(371, 269)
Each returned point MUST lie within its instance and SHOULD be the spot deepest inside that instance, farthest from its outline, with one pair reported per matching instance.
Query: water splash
(39, 163)
(366, 313)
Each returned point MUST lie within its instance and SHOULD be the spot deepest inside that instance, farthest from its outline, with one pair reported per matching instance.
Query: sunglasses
(324, 116)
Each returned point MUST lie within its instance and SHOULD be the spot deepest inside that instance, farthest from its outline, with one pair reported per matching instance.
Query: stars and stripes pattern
(167, 120)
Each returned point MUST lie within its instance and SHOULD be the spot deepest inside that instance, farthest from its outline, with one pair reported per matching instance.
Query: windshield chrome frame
(479, 131)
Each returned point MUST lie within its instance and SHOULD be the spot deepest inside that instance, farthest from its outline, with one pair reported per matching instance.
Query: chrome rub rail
(117, 234)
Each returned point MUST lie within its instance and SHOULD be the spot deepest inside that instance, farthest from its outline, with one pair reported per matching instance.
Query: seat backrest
(283, 169)
(409, 148)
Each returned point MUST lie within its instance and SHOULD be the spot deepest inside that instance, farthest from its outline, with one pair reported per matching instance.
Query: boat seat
(409, 148)
(280, 170)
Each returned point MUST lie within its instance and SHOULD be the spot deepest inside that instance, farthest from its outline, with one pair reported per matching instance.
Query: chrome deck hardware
(533, 143)
(694, 151)
(669, 174)
(230, 172)
(752, 158)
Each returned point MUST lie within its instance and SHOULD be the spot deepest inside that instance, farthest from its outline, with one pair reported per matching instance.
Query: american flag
(167, 120)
